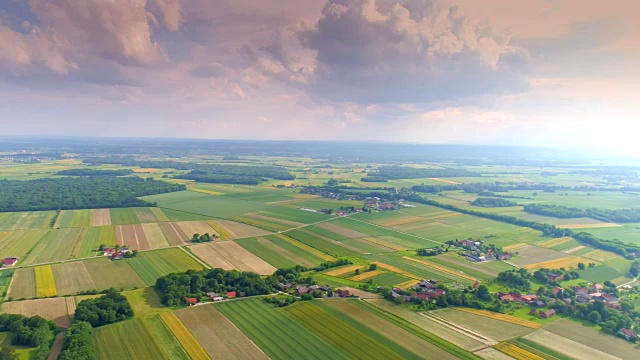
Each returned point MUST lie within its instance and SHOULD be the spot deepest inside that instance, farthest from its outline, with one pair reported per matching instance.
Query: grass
(214, 206)
(389, 279)
(349, 336)
(276, 332)
(145, 338)
(145, 302)
(188, 342)
(26, 220)
(56, 245)
(150, 265)
(95, 236)
(23, 352)
(123, 216)
(306, 252)
(21, 242)
(113, 274)
(323, 245)
(297, 215)
(599, 273)
(45, 282)
(261, 223)
(265, 253)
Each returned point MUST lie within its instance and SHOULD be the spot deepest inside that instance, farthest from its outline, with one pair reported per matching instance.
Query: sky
(531, 72)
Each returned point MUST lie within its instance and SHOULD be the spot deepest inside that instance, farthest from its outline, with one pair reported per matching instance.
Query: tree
(581, 266)
(7, 353)
(357, 271)
(482, 293)
(594, 317)
(373, 267)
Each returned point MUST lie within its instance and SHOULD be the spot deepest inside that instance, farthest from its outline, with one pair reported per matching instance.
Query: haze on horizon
(542, 73)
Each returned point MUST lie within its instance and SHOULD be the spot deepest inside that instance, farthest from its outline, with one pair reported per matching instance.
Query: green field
(74, 218)
(150, 265)
(20, 243)
(267, 254)
(321, 244)
(94, 237)
(422, 271)
(599, 273)
(395, 237)
(145, 338)
(144, 302)
(174, 197)
(539, 350)
(175, 215)
(294, 249)
(123, 216)
(113, 274)
(389, 279)
(214, 206)
(262, 223)
(56, 245)
(26, 220)
(297, 215)
(276, 332)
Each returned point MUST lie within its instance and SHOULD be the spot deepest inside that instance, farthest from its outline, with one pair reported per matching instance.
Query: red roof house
(628, 334)
(10, 261)
(231, 294)
(546, 314)
(191, 301)
(342, 293)
(595, 287)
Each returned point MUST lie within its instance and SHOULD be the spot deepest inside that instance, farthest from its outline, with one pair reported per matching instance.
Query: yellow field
(502, 317)
(366, 275)
(188, 342)
(554, 242)
(514, 247)
(516, 352)
(45, 283)
(407, 284)
(404, 221)
(343, 270)
(443, 269)
(396, 270)
(385, 244)
(567, 263)
(588, 226)
(601, 255)
(306, 248)
(210, 192)
(445, 181)
(224, 234)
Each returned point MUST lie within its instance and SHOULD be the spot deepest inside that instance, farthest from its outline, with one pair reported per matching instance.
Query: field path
(206, 266)
(461, 330)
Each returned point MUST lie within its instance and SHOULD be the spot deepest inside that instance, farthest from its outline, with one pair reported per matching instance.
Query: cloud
(376, 51)
(171, 12)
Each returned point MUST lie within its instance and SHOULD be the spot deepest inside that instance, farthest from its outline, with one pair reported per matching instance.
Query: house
(10, 261)
(424, 285)
(532, 311)
(609, 299)
(302, 290)
(342, 293)
(546, 314)
(218, 298)
(537, 303)
(285, 286)
(556, 290)
(505, 256)
(117, 256)
(555, 276)
(595, 287)
(528, 298)
(212, 295)
(313, 288)
(231, 294)
(108, 251)
(581, 291)
(628, 334)
(581, 298)
(325, 288)
(191, 301)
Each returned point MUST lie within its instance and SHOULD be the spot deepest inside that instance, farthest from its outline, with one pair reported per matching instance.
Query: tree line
(274, 172)
(490, 202)
(28, 331)
(607, 215)
(396, 172)
(80, 193)
(95, 172)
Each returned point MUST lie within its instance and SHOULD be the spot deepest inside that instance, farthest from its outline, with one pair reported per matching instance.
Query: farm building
(231, 294)
(342, 293)
(546, 314)
(628, 334)
(191, 301)
(10, 261)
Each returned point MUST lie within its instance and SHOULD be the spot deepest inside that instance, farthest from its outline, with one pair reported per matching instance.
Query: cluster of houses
(478, 252)
(212, 296)
(8, 262)
(423, 290)
(375, 203)
(318, 290)
(594, 292)
(114, 254)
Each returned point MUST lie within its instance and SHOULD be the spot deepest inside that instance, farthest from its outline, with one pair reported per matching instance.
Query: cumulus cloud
(171, 12)
(375, 51)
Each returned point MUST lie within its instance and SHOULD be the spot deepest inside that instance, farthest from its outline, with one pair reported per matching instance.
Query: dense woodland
(241, 171)
(29, 331)
(206, 177)
(489, 202)
(106, 309)
(79, 343)
(79, 193)
(174, 288)
(620, 216)
(95, 172)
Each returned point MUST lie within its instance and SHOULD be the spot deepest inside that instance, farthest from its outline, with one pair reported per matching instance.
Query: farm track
(462, 330)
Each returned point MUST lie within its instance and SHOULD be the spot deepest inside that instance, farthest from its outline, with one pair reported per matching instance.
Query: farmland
(229, 255)
(45, 282)
(272, 253)
(152, 265)
(25, 220)
(491, 328)
(54, 309)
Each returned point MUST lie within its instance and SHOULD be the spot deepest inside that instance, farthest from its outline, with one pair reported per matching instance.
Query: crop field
(320, 203)
(261, 223)
(224, 232)
(323, 244)
(100, 217)
(26, 220)
(599, 273)
(45, 282)
(299, 249)
(74, 218)
(502, 317)
(175, 215)
(54, 309)
(173, 233)
(361, 245)
(150, 265)
(421, 270)
(567, 262)
(23, 284)
(229, 255)
(289, 224)
(145, 338)
(184, 337)
(297, 215)
(145, 302)
(553, 243)
(534, 254)
(159, 214)
(123, 216)
(112, 274)
(93, 237)
(56, 245)
(388, 235)
(442, 269)
(539, 350)
(347, 335)
(276, 332)
(590, 337)
(215, 335)
(492, 328)
(72, 277)
(173, 197)
(272, 253)
(601, 255)
(19, 243)
(236, 229)
(145, 215)
(5, 280)
(516, 352)
(214, 206)
(458, 263)
(492, 354)
(155, 236)
(195, 227)
(132, 236)
(568, 347)
(396, 330)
